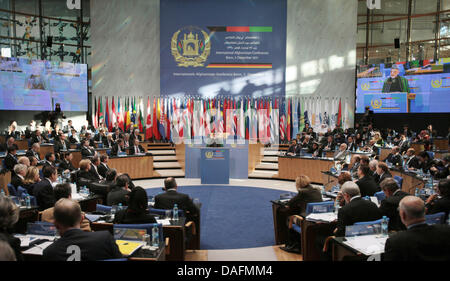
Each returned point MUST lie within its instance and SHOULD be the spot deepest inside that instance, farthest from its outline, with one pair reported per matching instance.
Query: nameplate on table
(367, 244)
(164, 222)
(322, 217)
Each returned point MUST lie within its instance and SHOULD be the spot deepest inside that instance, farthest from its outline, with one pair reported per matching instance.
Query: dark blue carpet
(233, 217)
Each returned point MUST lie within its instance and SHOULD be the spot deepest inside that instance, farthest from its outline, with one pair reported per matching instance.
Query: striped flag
(148, 126)
(114, 116)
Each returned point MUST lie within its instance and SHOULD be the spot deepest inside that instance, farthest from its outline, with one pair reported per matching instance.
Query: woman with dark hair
(434, 204)
(137, 209)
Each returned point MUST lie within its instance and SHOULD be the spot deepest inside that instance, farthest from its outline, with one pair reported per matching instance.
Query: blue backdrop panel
(215, 165)
(223, 47)
(192, 161)
(238, 160)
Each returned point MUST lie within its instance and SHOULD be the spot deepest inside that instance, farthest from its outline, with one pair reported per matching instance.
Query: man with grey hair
(389, 206)
(420, 242)
(356, 209)
(394, 157)
(20, 172)
(373, 169)
(24, 160)
(75, 244)
(341, 153)
(34, 151)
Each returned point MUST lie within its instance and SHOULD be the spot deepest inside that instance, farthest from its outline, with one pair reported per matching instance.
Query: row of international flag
(265, 119)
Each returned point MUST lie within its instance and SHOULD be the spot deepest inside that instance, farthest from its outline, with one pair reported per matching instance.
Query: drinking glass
(146, 239)
(168, 214)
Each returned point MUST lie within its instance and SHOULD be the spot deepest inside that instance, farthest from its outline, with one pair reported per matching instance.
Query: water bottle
(27, 201)
(155, 236)
(175, 212)
(336, 207)
(2, 193)
(384, 226)
(119, 207)
(416, 193)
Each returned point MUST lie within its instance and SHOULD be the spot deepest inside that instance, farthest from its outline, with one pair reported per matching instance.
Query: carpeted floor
(233, 217)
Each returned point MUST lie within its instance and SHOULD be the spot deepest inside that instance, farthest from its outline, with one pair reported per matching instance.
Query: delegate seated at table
(75, 244)
(420, 242)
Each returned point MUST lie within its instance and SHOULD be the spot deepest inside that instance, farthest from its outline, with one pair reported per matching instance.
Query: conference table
(290, 167)
(310, 230)
(341, 251)
(176, 232)
(136, 166)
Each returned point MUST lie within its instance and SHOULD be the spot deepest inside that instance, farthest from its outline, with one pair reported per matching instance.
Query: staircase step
(169, 173)
(150, 147)
(267, 166)
(270, 159)
(166, 165)
(263, 174)
(271, 153)
(164, 158)
(162, 152)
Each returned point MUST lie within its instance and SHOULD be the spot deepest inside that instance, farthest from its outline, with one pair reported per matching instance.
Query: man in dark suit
(294, 149)
(117, 148)
(394, 157)
(136, 148)
(425, 161)
(103, 167)
(75, 244)
(355, 210)
(366, 184)
(403, 143)
(389, 206)
(88, 137)
(171, 197)
(116, 127)
(108, 142)
(119, 194)
(66, 163)
(420, 242)
(411, 159)
(10, 141)
(73, 137)
(117, 135)
(11, 159)
(43, 190)
(351, 144)
(34, 151)
(20, 172)
(61, 145)
(50, 159)
(68, 128)
(86, 150)
(382, 172)
(329, 144)
(101, 136)
(135, 136)
(95, 162)
(38, 137)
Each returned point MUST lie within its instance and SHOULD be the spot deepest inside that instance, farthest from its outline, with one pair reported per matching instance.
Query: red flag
(155, 122)
(107, 119)
(114, 116)
(95, 119)
(288, 128)
(120, 114)
(148, 126)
